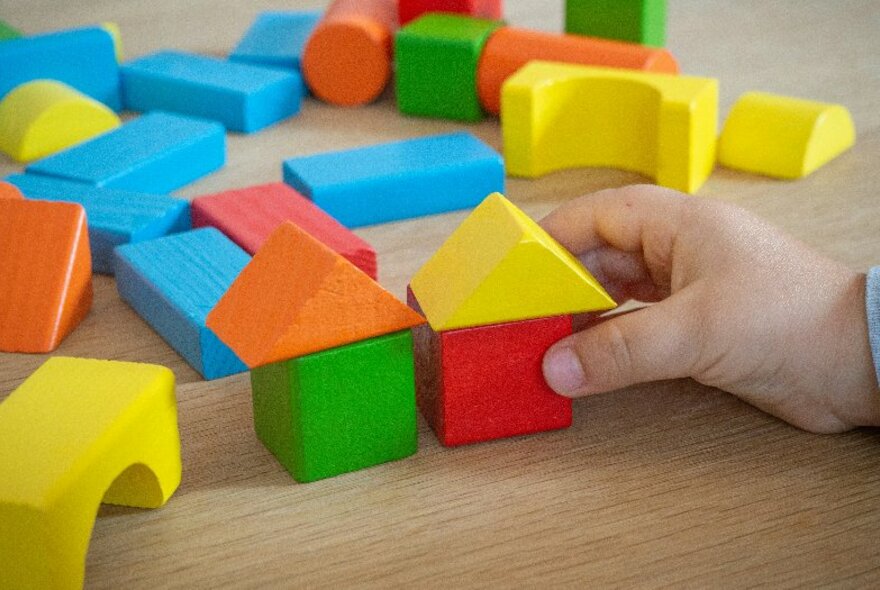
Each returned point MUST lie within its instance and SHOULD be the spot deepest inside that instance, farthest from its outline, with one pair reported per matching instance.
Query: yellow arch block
(560, 116)
(74, 432)
(500, 266)
(784, 137)
(42, 117)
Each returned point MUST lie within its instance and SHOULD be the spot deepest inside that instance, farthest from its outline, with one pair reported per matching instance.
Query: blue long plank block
(173, 282)
(243, 97)
(156, 153)
(399, 180)
(277, 39)
(115, 217)
(82, 58)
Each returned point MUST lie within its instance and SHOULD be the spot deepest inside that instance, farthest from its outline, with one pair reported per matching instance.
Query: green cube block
(436, 57)
(339, 410)
(637, 21)
(8, 32)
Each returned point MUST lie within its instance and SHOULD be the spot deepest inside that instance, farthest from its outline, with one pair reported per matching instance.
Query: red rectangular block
(412, 9)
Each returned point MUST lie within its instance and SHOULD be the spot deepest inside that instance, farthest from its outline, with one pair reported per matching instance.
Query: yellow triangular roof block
(500, 266)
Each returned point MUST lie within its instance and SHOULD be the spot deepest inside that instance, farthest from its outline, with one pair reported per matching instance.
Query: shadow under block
(558, 116)
(84, 59)
(114, 216)
(45, 274)
(173, 282)
(399, 180)
(8, 32)
(784, 137)
(155, 153)
(242, 97)
(297, 297)
(277, 39)
(500, 266)
(509, 49)
(339, 410)
(9, 191)
(78, 432)
(436, 60)
(248, 216)
(409, 10)
(42, 117)
(637, 21)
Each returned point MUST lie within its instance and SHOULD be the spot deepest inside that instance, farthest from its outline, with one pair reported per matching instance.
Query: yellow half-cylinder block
(500, 266)
(560, 116)
(75, 432)
(42, 117)
(784, 137)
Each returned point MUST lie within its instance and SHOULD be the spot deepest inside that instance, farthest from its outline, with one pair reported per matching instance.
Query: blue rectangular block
(243, 97)
(115, 217)
(82, 58)
(399, 180)
(156, 153)
(277, 39)
(173, 282)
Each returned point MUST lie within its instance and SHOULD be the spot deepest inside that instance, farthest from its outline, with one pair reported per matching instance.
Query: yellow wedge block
(42, 117)
(500, 266)
(75, 432)
(784, 137)
(560, 116)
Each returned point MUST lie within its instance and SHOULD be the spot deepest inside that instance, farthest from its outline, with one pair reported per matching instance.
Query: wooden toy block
(116, 35)
(248, 216)
(173, 282)
(784, 137)
(297, 297)
(156, 153)
(243, 97)
(84, 59)
(339, 410)
(42, 117)
(399, 180)
(114, 217)
(9, 191)
(500, 266)
(45, 274)
(8, 32)
(509, 49)
(436, 58)
(486, 383)
(558, 116)
(409, 10)
(347, 60)
(637, 21)
(77, 433)
(277, 39)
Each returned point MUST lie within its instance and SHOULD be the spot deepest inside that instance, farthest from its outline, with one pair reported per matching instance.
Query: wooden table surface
(669, 484)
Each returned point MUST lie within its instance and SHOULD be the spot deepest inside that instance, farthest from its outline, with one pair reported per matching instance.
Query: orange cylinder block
(8, 191)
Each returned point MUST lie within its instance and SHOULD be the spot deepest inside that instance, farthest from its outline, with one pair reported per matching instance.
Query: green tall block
(436, 58)
(638, 21)
(8, 32)
(339, 410)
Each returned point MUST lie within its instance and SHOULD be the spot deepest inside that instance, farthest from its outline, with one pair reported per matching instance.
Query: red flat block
(485, 383)
(412, 9)
(248, 216)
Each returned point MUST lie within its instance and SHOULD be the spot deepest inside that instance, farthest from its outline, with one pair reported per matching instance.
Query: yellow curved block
(500, 266)
(42, 117)
(560, 116)
(74, 432)
(784, 137)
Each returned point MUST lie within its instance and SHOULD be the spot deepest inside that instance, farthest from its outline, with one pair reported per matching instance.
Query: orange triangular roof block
(8, 191)
(297, 297)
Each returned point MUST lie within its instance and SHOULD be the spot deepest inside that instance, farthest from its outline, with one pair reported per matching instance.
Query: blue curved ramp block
(156, 153)
(82, 58)
(399, 180)
(173, 282)
(277, 39)
(115, 217)
(242, 97)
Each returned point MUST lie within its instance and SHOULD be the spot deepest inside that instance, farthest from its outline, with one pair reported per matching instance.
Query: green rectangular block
(8, 32)
(637, 21)
(339, 410)
(436, 58)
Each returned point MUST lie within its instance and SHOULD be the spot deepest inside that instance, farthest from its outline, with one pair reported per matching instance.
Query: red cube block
(412, 9)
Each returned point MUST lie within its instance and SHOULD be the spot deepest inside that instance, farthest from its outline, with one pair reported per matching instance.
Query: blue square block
(277, 39)
(243, 97)
(399, 180)
(115, 217)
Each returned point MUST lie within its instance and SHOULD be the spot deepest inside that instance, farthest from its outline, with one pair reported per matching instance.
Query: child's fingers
(623, 274)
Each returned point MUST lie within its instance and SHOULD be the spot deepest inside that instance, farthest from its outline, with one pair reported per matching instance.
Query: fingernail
(563, 371)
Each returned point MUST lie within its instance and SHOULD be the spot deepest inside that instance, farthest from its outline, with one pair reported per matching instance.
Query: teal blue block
(277, 39)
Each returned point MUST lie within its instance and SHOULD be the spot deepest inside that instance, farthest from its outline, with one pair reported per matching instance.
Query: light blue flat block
(82, 58)
(400, 180)
(242, 97)
(156, 153)
(115, 217)
(173, 282)
(277, 39)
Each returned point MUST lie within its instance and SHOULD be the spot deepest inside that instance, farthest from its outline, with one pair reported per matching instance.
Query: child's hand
(741, 307)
